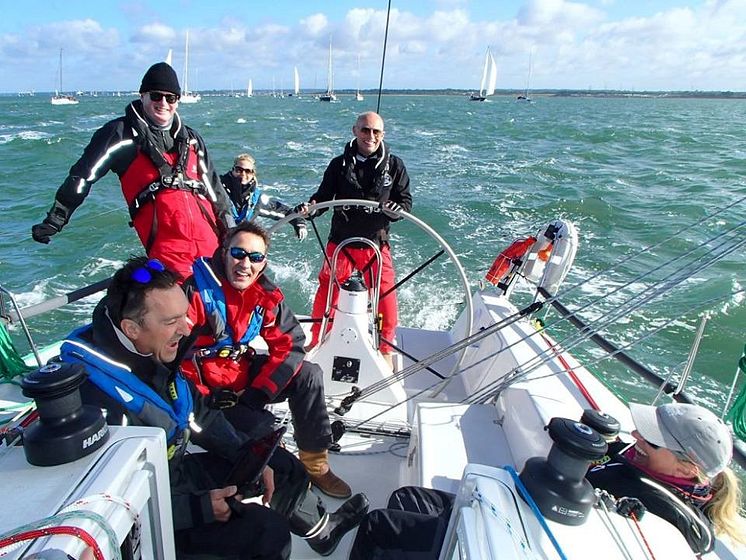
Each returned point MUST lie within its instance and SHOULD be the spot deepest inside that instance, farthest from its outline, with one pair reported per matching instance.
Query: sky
(432, 44)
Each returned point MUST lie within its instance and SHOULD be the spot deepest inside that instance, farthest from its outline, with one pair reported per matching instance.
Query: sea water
(629, 172)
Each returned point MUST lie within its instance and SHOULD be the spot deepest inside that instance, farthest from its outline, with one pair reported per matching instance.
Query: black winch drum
(557, 483)
(604, 424)
(67, 429)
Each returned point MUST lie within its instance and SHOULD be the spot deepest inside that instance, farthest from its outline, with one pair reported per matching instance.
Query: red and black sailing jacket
(279, 328)
(167, 180)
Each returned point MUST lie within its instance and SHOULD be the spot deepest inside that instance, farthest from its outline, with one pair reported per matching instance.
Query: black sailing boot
(324, 535)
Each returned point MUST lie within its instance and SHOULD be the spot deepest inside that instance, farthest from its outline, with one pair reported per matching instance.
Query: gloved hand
(56, 219)
(44, 231)
(390, 207)
(302, 209)
(301, 232)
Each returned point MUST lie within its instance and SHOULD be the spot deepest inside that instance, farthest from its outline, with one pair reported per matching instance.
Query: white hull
(64, 100)
(190, 98)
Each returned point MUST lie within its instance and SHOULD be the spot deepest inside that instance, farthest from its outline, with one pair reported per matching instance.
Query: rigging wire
(661, 287)
(621, 349)
(632, 304)
(600, 359)
(622, 260)
(572, 340)
(383, 58)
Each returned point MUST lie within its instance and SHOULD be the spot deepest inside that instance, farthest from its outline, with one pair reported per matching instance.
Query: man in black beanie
(175, 200)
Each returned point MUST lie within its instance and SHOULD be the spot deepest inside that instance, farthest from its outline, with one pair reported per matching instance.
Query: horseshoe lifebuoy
(501, 267)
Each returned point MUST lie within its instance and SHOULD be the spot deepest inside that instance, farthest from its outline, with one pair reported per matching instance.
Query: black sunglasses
(240, 254)
(157, 96)
(239, 169)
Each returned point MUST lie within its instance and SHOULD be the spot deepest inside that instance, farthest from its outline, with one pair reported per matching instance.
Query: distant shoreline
(501, 94)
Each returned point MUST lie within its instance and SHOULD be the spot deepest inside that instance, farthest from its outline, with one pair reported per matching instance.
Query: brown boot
(321, 475)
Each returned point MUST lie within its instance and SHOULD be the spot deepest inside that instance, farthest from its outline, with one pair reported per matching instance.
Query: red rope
(639, 530)
(83, 535)
(578, 383)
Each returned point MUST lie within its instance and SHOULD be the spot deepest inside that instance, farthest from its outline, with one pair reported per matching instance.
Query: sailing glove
(302, 209)
(43, 232)
(56, 219)
(390, 208)
(301, 232)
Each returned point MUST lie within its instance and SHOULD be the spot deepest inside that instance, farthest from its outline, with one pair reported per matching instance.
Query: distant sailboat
(329, 95)
(358, 95)
(525, 97)
(250, 89)
(296, 82)
(169, 56)
(186, 95)
(60, 98)
(489, 78)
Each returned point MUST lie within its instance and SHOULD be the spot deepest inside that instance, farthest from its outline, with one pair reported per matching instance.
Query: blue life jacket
(213, 300)
(247, 212)
(117, 381)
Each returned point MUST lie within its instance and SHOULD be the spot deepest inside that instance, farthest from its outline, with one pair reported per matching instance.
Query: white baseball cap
(688, 428)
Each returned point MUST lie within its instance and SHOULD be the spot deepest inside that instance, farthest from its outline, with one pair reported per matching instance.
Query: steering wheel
(346, 203)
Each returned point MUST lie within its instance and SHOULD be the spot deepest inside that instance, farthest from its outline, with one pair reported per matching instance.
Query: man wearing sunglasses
(129, 352)
(249, 199)
(172, 190)
(132, 351)
(231, 302)
(366, 170)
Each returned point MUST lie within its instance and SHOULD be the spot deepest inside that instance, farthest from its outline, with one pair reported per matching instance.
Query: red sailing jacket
(180, 230)
(280, 330)
(177, 225)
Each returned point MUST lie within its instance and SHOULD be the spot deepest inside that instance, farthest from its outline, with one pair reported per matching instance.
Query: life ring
(501, 267)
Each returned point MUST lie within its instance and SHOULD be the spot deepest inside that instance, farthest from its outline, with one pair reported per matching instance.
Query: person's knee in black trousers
(253, 532)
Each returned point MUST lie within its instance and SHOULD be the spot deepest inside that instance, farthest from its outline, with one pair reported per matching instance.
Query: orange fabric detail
(503, 261)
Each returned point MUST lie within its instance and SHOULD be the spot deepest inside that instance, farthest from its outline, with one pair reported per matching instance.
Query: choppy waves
(628, 172)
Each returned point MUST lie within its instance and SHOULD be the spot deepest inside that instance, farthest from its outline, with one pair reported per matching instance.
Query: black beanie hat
(160, 77)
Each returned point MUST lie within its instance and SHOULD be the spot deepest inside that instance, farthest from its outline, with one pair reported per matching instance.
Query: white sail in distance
(489, 75)
(186, 95)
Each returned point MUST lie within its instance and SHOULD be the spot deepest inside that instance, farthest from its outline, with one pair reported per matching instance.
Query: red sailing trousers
(350, 259)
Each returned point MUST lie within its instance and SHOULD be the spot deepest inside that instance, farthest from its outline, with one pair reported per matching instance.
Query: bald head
(368, 131)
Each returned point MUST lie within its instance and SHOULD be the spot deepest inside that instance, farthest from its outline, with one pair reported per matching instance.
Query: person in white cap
(678, 469)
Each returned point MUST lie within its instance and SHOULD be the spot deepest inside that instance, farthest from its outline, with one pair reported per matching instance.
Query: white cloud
(154, 33)
(553, 13)
(315, 24)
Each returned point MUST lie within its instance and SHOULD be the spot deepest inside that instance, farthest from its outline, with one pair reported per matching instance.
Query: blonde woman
(250, 201)
(678, 468)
